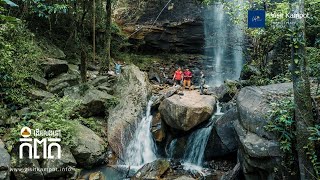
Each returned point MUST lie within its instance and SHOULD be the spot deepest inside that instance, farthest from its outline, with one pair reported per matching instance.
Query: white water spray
(218, 112)
(223, 45)
(197, 142)
(141, 149)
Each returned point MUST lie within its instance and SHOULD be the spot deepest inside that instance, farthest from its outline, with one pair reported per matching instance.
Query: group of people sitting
(185, 77)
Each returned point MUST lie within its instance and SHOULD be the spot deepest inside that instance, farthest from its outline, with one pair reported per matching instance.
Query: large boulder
(97, 176)
(67, 161)
(40, 94)
(258, 156)
(187, 111)
(21, 167)
(5, 163)
(224, 92)
(39, 82)
(165, 93)
(89, 149)
(223, 138)
(157, 128)
(256, 146)
(133, 89)
(253, 105)
(61, 82)
(54, 67)
(49, 48)
(99, 80)
(153, 170)
(92, 101)
(259, 150)
(103, 83)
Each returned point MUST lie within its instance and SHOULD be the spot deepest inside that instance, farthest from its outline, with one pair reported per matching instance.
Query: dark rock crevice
(179, 28)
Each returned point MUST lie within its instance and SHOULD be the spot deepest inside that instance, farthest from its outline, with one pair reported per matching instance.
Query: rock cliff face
(179, 28)
(223, 139)
(4, 162)
(132, 88)
(259, 150)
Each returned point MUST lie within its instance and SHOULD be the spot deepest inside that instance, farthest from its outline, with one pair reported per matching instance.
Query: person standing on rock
(187, 75)
(177, 77)
(202, 83)
(118, 66)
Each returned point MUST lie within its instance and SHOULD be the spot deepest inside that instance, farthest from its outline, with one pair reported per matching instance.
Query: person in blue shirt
(118, 66)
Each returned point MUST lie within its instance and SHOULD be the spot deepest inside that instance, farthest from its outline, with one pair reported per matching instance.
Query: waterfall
(223, 45)
(197, 142)
(218, 109)
(141, 148)
(170, 149)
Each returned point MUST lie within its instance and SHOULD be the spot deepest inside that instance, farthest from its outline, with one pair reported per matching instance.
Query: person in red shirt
(177, 77)
(187, 75)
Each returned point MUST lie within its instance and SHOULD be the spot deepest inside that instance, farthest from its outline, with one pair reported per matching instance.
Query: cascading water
(223, 45)
(197, 142)
(194, 154)
(171, 147)
(141, 149)
(218, 109)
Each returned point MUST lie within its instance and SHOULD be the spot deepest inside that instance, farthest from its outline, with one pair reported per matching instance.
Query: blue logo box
(256, 19)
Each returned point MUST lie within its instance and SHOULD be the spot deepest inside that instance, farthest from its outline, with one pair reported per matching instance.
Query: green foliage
(112, 102)
(232, 87)
(263, 40)
(142, 61)
(119, 42)
(5, 18)
(44, 8)
(282, 123)
(19, 56)
(56, 115)
(313, 57)
(312, 23)
(264, 79)
(92, 124)
(281, 78)
(314, 139)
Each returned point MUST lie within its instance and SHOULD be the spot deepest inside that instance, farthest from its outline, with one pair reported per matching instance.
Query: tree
(107, 40)
(301, 89)
(83, 65)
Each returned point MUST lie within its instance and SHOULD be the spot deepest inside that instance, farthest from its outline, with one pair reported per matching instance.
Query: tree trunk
(94, 30)
(301, 89)
(83, 66)
(108, 35)
(107, 58)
